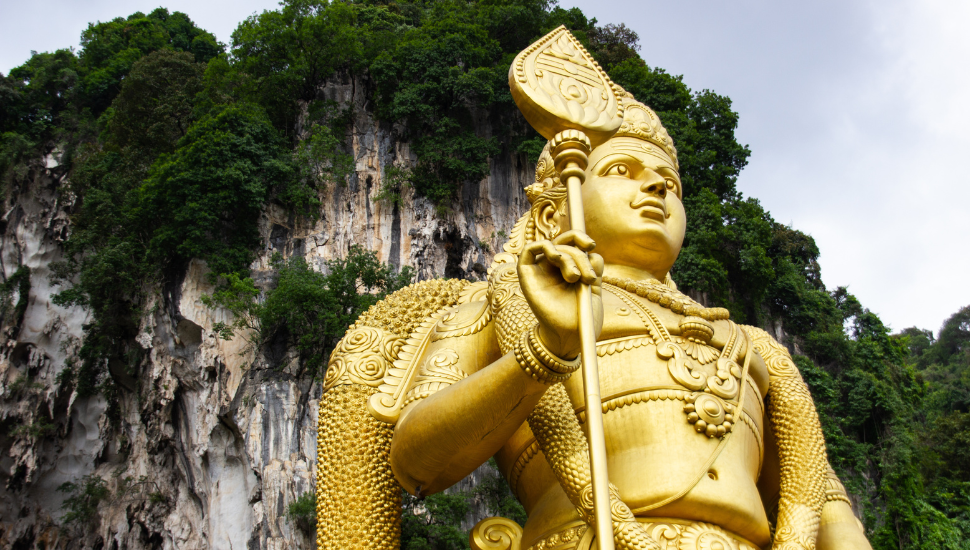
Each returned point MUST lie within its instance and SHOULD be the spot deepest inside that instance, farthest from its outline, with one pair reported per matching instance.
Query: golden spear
(569, 99)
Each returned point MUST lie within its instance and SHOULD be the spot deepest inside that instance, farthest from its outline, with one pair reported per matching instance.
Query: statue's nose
(657, 188)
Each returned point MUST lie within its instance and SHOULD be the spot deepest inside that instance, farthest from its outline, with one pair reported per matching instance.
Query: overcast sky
(856, 113)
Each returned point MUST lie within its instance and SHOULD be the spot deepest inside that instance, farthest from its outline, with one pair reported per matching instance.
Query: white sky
(856, 113)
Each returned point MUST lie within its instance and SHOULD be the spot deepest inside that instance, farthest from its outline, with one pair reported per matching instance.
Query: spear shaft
(595, 433)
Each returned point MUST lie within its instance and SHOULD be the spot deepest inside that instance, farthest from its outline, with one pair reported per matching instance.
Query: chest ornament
(714, 399)
(669, 298)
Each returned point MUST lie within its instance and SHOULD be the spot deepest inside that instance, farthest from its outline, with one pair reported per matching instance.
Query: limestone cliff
(211, 440)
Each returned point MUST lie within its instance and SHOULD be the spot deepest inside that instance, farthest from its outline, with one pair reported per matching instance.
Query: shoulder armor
(364, 511)
(449, 321)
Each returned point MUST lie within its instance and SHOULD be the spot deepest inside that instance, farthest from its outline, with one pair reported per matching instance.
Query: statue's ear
(548, 220)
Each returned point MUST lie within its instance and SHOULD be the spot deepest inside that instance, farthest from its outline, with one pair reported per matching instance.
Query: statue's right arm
(443, 437)
(447, 434)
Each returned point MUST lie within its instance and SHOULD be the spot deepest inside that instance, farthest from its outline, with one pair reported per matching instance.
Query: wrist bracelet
(549, 359)
(532, 366)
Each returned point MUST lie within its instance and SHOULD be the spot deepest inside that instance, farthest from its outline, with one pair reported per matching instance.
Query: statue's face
(634, 212)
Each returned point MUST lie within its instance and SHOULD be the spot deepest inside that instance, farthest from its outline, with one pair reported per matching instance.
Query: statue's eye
(618, 170)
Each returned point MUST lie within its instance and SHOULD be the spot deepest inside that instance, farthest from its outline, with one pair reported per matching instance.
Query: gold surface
(358, 499)
(710, 435)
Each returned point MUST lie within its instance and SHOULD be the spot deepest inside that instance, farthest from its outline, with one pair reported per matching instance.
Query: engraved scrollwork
(351, 438)
(570, 538)
(362, 339)
(392, 347)
(369, 369)
(505, 285)
(775, 355)
(726, 382)
(705, 536)
(618, 509)
(561, 81)
(496, 534)
(586, 499)
(362, 357)
(438, 371)
(335, 371)
(677, 365)
(789, 538)
(475, 292)
(463, 321)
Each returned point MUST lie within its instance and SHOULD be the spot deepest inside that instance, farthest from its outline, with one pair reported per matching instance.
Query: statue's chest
(643, 358)
(632, 364)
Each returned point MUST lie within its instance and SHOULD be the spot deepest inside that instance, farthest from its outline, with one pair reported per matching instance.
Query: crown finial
(558, 86)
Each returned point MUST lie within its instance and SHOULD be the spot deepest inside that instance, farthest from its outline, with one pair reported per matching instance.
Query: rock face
(207, 445)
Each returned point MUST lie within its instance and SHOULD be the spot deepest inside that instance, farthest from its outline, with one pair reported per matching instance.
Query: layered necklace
(666, 297)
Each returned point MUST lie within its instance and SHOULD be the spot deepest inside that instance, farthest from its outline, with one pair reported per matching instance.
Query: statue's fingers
(544, 253)
(587, 273)
(575, 238)
(566, 260)
(598, 264)
(532, 251)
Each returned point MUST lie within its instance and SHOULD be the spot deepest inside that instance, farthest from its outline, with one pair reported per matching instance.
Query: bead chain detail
(540, 364)
(669, 298)
(549, 359)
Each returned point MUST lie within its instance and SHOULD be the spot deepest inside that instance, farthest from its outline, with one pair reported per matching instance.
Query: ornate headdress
(642, 122)
(557, 85)
(639, 121)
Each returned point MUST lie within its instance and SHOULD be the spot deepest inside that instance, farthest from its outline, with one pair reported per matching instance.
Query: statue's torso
(655, 454)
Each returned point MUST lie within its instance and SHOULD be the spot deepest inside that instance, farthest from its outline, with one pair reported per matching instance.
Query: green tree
(110, 49)
(428, 80)
(83, 496)
(154, 108)
(288, 55)
(303, 512)
(310, 309)
(204, 199)
(434, 522)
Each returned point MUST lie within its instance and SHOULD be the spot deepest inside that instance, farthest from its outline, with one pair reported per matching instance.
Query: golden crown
(639, 121)
(558, 86)
(642, 122)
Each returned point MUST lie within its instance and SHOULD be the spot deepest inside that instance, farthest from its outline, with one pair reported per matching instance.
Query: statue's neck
(628, 272)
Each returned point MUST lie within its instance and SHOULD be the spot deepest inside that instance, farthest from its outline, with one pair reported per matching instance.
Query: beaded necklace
(669, 298)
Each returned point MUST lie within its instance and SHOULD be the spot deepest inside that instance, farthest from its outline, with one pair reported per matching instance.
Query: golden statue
(704, 435)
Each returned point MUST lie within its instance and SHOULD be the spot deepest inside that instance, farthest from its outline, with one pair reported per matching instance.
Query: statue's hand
(550, 273)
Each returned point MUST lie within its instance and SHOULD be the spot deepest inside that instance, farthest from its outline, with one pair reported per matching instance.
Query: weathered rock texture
(211, 443)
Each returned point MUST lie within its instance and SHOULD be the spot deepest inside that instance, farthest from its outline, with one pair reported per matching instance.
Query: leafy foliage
(284, 57)
(83, 497)
(110, 49)
(206, 197)
(19, 282)
(309, 309)
(154, 108)
(434, 522)
(303, 512)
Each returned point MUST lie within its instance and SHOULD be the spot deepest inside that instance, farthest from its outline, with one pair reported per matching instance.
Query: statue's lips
(652, 208)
